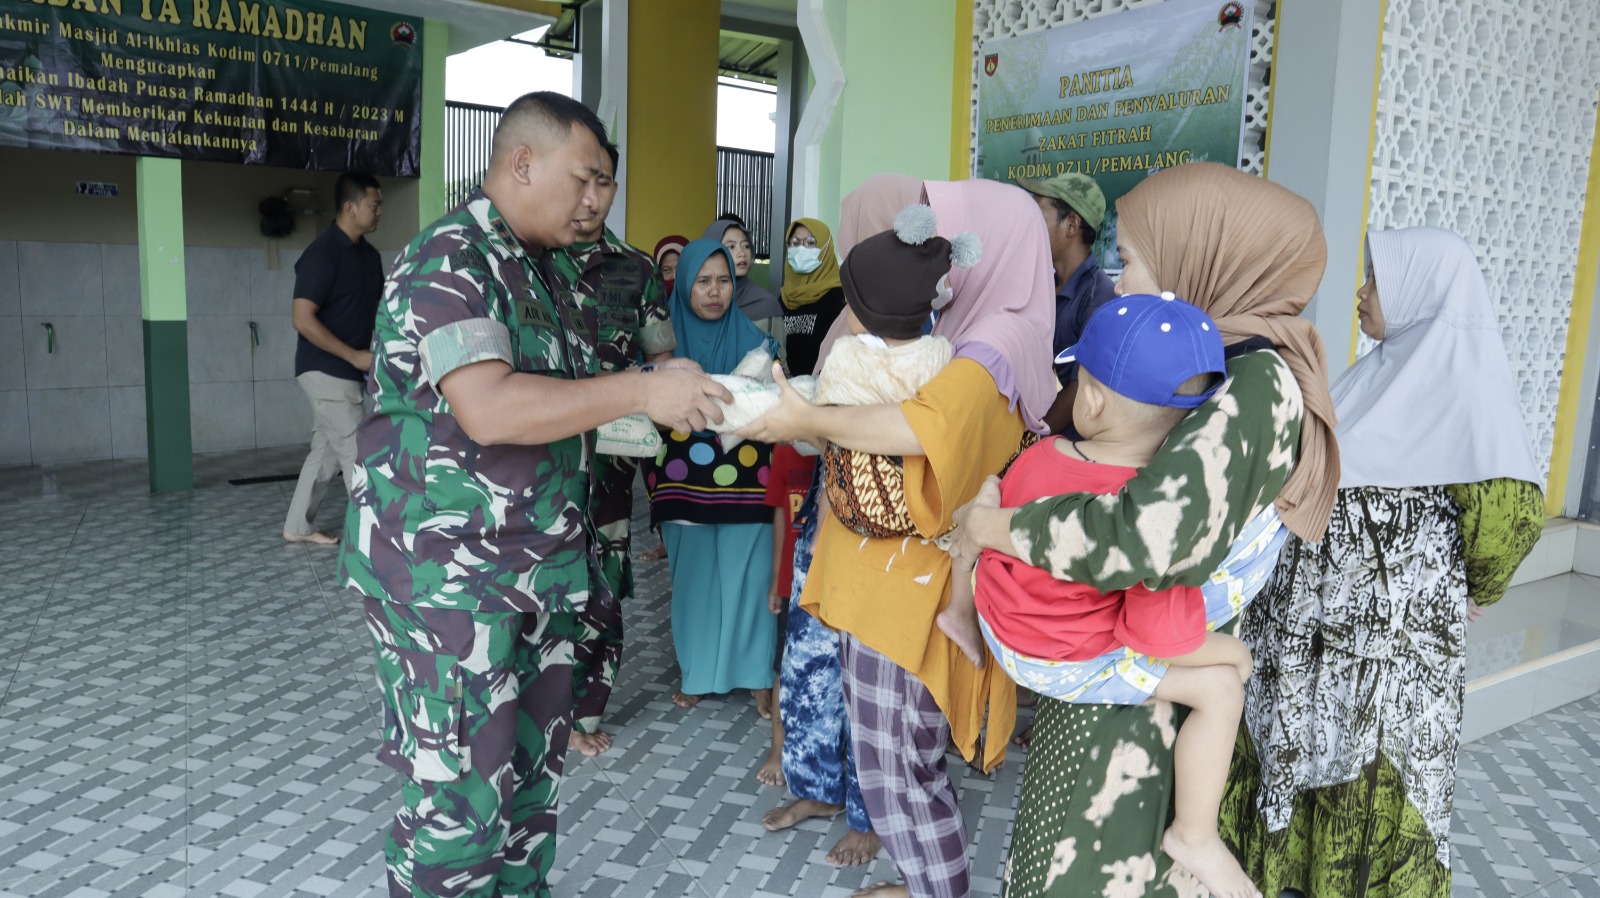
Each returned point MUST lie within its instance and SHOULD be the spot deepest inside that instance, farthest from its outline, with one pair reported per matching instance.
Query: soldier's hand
(686, 364)
(683, 399)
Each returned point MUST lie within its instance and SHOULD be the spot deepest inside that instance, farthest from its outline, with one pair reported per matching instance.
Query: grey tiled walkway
(186, 708)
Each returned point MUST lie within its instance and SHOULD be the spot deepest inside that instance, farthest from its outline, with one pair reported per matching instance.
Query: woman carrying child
(1204, 512)
(908, 686)
(1143, 362)
(818, 766)
(710, 504)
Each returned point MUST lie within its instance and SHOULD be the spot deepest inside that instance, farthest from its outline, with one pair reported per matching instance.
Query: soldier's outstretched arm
(497, 405)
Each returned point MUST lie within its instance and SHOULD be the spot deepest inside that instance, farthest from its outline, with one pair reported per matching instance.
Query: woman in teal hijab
(719, 334)
(710, 503)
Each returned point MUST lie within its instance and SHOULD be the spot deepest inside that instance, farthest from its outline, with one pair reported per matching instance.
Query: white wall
(86, 399)
(72, 261)
(1486, 121)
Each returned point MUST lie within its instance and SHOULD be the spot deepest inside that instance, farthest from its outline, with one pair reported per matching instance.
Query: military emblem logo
(1230, 16)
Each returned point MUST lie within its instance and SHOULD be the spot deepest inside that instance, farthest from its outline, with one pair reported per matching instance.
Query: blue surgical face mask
(804, 259)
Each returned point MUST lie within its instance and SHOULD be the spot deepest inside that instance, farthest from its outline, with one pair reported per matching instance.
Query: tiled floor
(186, 708)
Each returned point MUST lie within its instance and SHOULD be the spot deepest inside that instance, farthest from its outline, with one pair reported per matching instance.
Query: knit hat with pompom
(894, 280)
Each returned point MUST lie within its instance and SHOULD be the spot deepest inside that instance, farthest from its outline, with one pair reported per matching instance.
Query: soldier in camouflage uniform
(468, 537)
(621, 284)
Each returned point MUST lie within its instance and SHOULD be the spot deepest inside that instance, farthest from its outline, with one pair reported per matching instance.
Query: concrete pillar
(1574, 458)
(163, 307)
(894, 113)
(671, 115)
(431, 187)
(1324, 99)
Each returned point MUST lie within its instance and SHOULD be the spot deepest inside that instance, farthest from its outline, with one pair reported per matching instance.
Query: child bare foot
(785, 816)
(960, 623)
(1211, 863)
(771, 772)
(763, 699)
(855, 849)
(591, 744)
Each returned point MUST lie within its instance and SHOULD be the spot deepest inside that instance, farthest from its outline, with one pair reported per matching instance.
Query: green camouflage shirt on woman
(1090, 818)
(437, 520)
(1176, 520)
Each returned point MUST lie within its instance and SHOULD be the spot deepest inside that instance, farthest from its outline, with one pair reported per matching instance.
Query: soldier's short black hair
(614, 156)
(549, 115)
(352, 187)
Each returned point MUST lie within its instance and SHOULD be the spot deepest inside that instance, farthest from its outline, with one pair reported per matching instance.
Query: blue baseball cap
(1144, 347)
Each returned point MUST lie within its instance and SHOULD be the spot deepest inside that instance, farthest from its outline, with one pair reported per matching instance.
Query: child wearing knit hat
(893, 282)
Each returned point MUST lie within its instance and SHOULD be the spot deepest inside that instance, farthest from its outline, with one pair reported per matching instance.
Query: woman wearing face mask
(711, 503)
(667, 251)
(812, 296)
(756, 302)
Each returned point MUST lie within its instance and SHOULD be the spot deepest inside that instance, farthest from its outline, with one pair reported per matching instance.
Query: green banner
(263, 82)
(1116, 98)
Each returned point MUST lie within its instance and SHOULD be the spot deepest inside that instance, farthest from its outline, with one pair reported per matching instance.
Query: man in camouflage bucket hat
(621, 284)
(469, 536)
(1073, 209)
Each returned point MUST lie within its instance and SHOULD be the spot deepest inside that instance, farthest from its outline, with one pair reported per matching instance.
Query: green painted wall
(160, 214)
(166, 402)
(164, 306)
(894, 115)
(430, 190)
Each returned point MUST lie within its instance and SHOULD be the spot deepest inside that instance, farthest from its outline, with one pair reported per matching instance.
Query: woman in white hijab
(1353, 717)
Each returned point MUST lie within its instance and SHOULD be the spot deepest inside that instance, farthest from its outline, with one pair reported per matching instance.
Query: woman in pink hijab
(909, 689)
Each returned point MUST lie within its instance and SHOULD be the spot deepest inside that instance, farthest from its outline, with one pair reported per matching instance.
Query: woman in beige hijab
(1210, 510)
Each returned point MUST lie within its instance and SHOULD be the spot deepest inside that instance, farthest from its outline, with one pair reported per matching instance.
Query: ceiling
(747, 57)
(783, 7)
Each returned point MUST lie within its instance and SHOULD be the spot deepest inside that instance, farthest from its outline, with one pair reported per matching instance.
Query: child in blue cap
(1144, 362)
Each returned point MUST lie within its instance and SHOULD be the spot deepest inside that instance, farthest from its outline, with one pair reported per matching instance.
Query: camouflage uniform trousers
(597, 650)
(477, 712)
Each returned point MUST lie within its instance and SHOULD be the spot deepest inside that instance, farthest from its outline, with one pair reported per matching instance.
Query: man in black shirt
(338, 282)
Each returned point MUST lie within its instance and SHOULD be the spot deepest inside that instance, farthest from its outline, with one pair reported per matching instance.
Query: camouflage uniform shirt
(619, 284)
(437, 520)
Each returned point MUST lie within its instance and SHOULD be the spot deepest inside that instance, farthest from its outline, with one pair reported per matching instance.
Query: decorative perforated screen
(1486, 114)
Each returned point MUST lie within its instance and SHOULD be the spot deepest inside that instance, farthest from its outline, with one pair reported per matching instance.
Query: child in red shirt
(1144, 362)
(788, 480)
